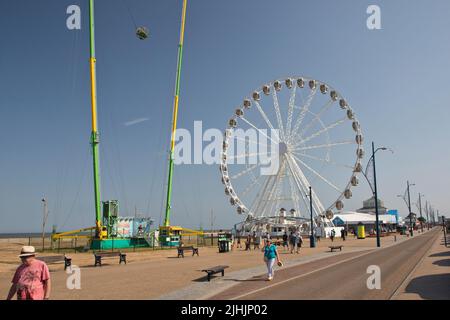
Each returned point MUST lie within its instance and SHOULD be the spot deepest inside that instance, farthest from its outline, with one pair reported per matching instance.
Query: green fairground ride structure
(171, 235)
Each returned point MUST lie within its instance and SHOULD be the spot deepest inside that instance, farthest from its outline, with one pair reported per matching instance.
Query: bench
(55, 259)
(99, 255)
(214, 270)
(332, 248)
(182, 249)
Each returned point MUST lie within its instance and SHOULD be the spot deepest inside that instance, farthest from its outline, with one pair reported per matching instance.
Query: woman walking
(270, 254)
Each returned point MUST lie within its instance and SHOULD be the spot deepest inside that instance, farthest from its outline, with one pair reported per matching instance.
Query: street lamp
(312, 240)
(408, 204)
(420, 211)
(374, 187)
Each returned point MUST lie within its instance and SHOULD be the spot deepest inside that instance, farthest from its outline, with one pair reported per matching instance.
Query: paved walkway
(431, 278)
(337, 277)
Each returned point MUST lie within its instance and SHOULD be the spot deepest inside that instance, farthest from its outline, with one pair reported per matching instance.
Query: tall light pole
(312, 240)
(409, 207)
(428, 218)
(44, 221)
(420, 211)
(374, 188)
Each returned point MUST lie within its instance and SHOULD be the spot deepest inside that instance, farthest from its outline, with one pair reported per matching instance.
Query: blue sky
(395, 78)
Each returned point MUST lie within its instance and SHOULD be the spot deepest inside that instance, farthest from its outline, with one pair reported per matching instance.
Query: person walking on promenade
(248, 243)
(292, 241)
(285, 242)
(31, 280)
(343, 234)
(238, 246)
(256, 242)
(298, 241)
(270, 255)
(332, 235)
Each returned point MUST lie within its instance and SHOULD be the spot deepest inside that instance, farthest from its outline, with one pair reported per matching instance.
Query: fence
(83, 244)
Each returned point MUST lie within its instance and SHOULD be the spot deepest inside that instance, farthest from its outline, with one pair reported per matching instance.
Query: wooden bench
(55, 259)
(214, 270)
(332, 248)
(181, 251)
(99, 255)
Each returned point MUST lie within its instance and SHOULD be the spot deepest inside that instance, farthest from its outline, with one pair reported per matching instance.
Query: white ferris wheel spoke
(317, 174)
(276, 190)
(260, 197)
(317, 116)
(290, 111)
(303, 112)
(326, 145)
(303, 186)
(245, 155)
(251, 186)
(294, 193)
(327, 161)
(249, 141)
(319, 132)
(247, 170)
(259, 130)
(276, 105)
(266, 119)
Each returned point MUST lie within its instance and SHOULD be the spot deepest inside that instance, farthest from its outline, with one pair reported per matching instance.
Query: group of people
(293, 242)
(250, 239)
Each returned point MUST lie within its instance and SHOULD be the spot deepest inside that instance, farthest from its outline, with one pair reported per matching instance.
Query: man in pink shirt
(32, 278)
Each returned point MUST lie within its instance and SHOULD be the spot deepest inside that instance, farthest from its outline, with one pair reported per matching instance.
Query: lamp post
(428, 219)
(420, 211)
(409, 208)
(444, 227)
(374, 188)
(312, 240)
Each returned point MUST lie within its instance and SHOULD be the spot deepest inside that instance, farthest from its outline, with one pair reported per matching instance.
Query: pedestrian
(292, 241)
(248, 242)
(298, 241)
(239, 242)
(343, 234)
(31, 280)
(270, 255)
(332, 234)
(256, 242)
(285, 241)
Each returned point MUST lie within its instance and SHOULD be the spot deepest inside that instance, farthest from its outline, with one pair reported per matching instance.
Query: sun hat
(27, 251)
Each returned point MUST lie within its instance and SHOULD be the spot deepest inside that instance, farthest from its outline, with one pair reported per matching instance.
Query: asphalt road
(339, 277)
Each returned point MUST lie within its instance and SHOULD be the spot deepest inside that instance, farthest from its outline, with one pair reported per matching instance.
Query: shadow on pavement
(442, 263)
(441, 254)
(256, 278)
(432, 287)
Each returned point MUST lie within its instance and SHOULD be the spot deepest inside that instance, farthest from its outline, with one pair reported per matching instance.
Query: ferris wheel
(312, 132)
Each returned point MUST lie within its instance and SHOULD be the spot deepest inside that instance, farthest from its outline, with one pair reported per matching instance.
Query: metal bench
(55, 259)
(99, 255)
(214, 270)
(190, 248)
(332, 248)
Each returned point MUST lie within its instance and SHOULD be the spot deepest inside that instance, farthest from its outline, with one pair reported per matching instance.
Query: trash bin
(224, 242)
(361, 231)
(224, 246)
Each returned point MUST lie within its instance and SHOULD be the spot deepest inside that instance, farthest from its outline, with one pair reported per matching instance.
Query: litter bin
(224, 242)
(361, 231)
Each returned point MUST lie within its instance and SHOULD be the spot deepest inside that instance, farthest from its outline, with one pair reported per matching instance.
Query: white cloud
(135, 121)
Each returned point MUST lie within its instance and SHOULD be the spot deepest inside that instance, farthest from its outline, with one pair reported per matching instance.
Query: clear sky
(396, 79)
